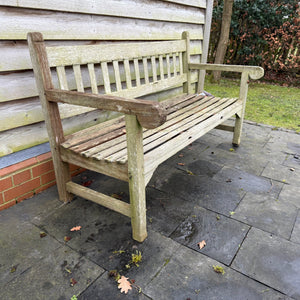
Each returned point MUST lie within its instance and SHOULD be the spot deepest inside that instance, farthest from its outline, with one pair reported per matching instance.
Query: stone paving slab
(248, 182)
(105, 287)
(221, 234)
(290, 194)
(202, 191)
(190, 275)
(51, 276)
(282, 173)
(22, 248)
(271, 260)
(267, 213)
(296, 231)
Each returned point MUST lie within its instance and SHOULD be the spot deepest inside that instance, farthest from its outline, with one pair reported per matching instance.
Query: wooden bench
(129, 147)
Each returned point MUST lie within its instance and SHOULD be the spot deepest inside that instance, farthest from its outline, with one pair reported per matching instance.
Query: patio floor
(244, 203)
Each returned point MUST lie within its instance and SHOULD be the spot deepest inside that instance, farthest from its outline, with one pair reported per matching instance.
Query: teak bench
(129, 147)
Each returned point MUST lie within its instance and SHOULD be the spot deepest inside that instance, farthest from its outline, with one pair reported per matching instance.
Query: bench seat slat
(109, 144)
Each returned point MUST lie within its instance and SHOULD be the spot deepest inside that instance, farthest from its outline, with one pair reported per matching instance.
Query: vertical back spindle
(161, 67)
(78, 78)
(93, 80)
(137, 72)
(62, 78)
(127, 74)
(117, 75)
(154, 73)
(145, 64)
(168, 65)
(105, 75)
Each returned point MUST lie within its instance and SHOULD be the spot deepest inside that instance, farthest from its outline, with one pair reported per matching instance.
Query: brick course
(27, 178)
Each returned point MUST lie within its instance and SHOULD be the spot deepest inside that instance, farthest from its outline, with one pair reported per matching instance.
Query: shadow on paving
(243, 202)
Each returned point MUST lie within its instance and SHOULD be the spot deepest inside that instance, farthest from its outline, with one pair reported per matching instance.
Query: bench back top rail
(129, 70)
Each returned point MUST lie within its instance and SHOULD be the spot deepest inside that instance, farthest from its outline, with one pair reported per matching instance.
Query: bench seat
(188, 118)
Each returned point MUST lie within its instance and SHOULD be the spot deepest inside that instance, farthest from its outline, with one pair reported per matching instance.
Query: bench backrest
(124, 69)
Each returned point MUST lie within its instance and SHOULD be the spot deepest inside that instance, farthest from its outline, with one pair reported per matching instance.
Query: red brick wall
(27, 178)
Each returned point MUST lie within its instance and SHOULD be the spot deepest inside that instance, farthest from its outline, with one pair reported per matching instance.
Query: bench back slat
(83, 54)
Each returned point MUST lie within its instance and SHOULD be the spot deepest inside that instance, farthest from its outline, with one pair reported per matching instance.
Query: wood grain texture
(15, 24)
(148, 10)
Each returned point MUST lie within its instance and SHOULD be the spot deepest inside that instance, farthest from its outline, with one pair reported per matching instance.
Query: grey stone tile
(296, 231)
(271, 260)
(282, 173)
(165, 212)
(248, 182)
(221, 234)
(106, 287)
(22, 247)
(33, 208)
(190, 275)
(267, 213)
(202, 191)
(290, 194)
(50, 277)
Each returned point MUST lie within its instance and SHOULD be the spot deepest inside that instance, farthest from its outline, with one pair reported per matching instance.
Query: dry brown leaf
(180, 164)
(124, 284)
(202, 244)
(76, 228)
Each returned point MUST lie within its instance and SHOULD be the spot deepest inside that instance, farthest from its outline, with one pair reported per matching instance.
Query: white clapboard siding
(196, 3)
(147, 9)
(15, 26)
(15, 55)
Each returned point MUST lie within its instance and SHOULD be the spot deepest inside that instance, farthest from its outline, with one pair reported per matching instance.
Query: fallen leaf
(190, 172)
(13, 269)
(67, 238)
(231, 150)
(124, 284)
(232, 213)
(180, 155)
(218, 217)
(72, 281)
(292, 169)
(219, 269)
(87, 183)
(201, 244)
(180, 164)
(43, 234)
(116, 196)
(76, 228)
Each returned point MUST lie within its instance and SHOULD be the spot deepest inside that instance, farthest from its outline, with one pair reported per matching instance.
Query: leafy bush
(263, 32)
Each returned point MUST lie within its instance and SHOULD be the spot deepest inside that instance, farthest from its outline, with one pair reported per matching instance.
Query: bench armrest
(253, 71)
(149, 113)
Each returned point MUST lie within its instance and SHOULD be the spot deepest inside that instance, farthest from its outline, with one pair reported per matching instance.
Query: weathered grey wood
(134, 134)
(127, 74)
(153, 62)
(161, 67)
(62, 79)
(205, 44)
(119, 172)
(186, 62)
(225, 127)
(51, 112)
(78, 78)
(117, 75)
(93, 79)
(137, 72)
(15, 55)
(196, 3)
(145, 65)
(99, 198)
(105, 77)
(15, 26)
(240, 117)
(253, 71)
(168, 65)
(149, 113)
(125, 8)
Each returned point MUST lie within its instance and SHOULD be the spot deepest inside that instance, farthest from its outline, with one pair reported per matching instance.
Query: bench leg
(134, 135)
(237, 131)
